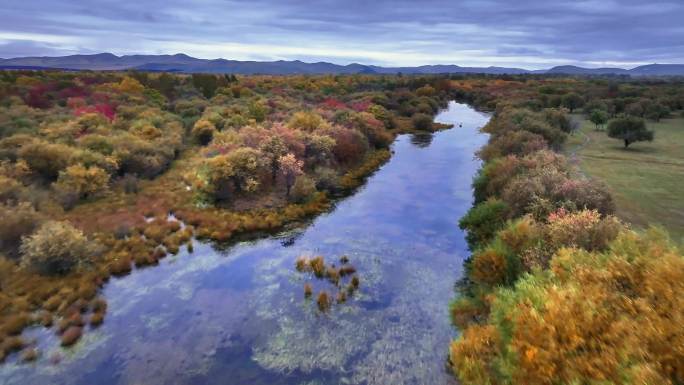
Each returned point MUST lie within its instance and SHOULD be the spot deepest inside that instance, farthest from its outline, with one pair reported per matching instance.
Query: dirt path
(574, 158)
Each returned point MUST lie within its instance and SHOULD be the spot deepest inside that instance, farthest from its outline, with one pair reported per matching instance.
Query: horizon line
(607, 66)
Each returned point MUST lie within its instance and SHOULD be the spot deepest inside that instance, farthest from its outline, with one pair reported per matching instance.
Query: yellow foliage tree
(130, 86)
(85, 182)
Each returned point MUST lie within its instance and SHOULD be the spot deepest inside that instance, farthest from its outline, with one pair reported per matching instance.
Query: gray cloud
(525, 33)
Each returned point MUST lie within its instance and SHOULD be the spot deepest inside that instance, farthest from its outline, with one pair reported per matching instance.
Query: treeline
(557, 290)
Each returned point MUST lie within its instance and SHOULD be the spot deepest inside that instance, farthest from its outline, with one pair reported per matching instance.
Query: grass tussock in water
(323, 301)
(334, 276)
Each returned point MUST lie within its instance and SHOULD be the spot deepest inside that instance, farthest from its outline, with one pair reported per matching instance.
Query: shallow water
(238, 315)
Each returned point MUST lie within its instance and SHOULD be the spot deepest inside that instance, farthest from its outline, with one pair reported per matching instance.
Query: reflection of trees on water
(422, 139)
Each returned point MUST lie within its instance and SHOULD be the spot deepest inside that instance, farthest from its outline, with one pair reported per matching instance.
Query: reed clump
(332, 274)
(318, 266)
(323, 301)
(71, 335)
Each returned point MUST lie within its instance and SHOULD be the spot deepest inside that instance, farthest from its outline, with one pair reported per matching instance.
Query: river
(237, 315)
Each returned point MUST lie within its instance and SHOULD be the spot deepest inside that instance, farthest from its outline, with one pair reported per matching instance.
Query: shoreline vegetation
(104, 173)
(557, 289)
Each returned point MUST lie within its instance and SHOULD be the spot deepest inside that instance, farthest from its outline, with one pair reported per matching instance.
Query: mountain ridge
(183, 63)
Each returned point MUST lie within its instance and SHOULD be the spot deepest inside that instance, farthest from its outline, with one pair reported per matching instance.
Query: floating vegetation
(332, 274)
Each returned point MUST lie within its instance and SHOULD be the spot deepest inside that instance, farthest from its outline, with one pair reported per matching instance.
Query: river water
(238, 315)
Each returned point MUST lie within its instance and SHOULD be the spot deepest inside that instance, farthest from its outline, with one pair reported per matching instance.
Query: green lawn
(646, 180)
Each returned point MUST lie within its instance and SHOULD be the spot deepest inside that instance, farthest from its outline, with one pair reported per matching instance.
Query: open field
(646, 180)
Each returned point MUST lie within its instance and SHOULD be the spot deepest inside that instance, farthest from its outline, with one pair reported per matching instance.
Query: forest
(102, 173)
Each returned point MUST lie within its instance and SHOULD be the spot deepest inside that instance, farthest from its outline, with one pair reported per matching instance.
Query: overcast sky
(523, 33)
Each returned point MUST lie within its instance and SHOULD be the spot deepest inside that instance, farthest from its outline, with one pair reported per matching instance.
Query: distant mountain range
(187, 64)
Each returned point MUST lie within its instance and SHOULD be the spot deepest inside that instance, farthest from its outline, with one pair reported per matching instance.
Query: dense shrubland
(557, 290)
(92, 165)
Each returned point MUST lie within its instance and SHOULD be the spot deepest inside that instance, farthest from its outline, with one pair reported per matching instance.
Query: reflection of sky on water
(238, 316)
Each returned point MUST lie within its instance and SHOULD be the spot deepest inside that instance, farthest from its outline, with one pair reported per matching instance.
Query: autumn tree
(47, 159)
(306, 121)
(82, 181)
(207, 84)
(203, 131)
(629, 130)
(290, 168)
(273, 149)
(234, 173)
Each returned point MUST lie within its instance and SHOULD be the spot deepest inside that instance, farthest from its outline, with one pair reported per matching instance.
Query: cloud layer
(529, 34)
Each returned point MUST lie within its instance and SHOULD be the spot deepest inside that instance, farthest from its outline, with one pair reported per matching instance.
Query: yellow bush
(473, 355)
(82, 181)
(489, 267)
(57, 248)
(593, 318)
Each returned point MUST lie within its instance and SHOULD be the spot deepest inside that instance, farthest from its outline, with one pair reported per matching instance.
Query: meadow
(646, 180)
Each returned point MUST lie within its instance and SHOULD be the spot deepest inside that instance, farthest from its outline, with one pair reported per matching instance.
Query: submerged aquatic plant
(355, 282)
(341, 297)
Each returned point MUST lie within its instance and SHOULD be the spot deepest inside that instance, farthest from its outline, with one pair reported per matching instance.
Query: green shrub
(483, 221)
(17, 221)
(421, 121)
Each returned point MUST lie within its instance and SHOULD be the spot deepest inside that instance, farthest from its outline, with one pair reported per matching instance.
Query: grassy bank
(646, 180)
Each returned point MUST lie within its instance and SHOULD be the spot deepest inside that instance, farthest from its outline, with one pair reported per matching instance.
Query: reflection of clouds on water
(238, 315)
(395, 343)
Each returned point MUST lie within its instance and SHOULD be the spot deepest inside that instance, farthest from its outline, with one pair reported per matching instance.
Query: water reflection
(422, 139)
(238, 315)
